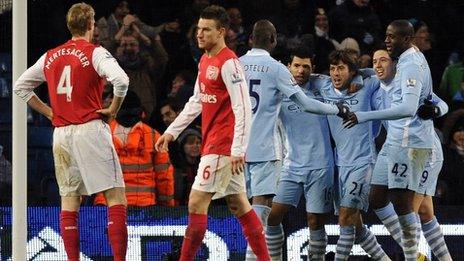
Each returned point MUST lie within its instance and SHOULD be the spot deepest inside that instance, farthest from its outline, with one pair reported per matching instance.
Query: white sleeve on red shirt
(30, 79)
(234, 79)
(191, 110)
(107, 67)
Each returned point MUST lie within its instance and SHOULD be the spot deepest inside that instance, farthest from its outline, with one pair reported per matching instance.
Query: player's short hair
(403, 27)
(79, 17)
(300, 52)
(345, 57)
(218, 14)
(264, 34)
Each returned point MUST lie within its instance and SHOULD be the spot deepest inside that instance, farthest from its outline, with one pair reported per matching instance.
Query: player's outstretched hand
(343, 110)
(162, 143)
(350, 121)
(238, 164)
(428, 110)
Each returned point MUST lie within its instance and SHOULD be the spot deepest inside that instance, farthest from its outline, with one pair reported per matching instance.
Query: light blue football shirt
(268, 81)
(412, 78)
(307, 137)
(354, 146)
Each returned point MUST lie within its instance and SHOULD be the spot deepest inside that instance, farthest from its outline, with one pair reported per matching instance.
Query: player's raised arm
(411, 86)
(286, 80)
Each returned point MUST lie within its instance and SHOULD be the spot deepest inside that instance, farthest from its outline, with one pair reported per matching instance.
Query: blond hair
(79, 17)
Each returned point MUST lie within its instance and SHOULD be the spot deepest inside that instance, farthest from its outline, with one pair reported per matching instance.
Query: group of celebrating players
(293, 133)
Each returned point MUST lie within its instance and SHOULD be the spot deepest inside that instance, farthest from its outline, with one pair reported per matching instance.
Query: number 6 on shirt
(64, 85)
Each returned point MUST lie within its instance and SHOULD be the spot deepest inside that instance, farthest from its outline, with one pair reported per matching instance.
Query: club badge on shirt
(212, 72)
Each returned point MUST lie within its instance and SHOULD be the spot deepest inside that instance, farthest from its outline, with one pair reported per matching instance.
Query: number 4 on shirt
(64, 85)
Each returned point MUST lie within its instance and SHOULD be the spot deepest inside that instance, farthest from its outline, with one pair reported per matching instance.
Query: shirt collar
(408, 52)
(257, 52)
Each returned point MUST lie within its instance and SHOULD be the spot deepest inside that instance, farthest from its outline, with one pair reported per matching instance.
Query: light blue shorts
(353, 185)
(317, 186)
(380, 173)
(262, 177)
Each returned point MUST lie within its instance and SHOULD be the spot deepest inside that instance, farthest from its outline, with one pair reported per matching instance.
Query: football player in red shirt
(221, 96)
(85, 158)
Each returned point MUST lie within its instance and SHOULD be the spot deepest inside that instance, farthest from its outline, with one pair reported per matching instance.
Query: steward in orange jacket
(148, 174)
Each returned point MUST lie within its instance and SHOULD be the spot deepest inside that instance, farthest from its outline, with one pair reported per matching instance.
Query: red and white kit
(85, 158)
(221, 96)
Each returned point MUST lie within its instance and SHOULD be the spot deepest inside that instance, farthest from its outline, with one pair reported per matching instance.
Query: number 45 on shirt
(64, 85)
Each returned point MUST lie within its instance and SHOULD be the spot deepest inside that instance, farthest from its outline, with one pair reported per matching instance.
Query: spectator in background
(96, 35)
(421, 35)
(169, 111)
(352, 46)
(356, 19)
(451, 172)
(233, 44)
(324, 44)
(452, 84)
(148, 174)
(5, 179)
(236, 25)
(182, 87)
(117, 22)
(186, 169)
(143, 68)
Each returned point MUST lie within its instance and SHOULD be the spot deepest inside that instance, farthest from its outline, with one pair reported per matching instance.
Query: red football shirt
(74, 87)
(221, 96)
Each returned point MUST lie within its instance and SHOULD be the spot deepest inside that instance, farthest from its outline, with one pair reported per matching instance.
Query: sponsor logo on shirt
(293, 108)
(212, 72)
(205, 97)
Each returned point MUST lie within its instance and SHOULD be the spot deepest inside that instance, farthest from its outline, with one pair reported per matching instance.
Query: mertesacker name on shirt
(68, 51)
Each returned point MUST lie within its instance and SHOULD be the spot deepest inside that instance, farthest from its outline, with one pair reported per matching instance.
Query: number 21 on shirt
(64, 85)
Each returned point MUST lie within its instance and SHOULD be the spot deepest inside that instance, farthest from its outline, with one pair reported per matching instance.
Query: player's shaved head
(264, 35)
(403, 27)
(398, 37)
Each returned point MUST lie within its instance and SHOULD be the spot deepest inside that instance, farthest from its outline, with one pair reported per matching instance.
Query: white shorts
(85, 159)
(215, 176)
(402, 165)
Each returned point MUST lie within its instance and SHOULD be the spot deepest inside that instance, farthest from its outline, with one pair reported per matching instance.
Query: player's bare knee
(70, 203)
(238, 204)
(115, 196)
(402, 200)
(277, 215)
(348, 216)
(425, 213)
(316, 221)
(377, 197)
(264, 200)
